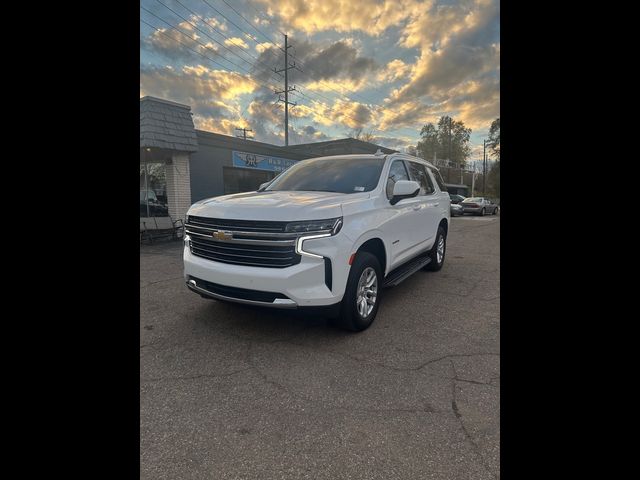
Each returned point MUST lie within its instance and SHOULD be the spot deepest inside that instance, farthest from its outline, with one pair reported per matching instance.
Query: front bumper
(305, 284)
(196, 285)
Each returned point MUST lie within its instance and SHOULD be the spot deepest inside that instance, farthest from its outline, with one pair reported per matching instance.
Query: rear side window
(439, 181)
(417, 173)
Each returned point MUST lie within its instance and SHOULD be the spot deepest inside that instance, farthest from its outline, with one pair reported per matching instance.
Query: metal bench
(152, 228)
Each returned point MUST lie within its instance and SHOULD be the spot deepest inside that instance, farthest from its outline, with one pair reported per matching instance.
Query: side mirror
(404, 189)
(263, 186)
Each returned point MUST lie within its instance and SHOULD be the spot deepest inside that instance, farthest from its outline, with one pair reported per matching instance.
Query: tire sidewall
(434, 266)
(350, 317)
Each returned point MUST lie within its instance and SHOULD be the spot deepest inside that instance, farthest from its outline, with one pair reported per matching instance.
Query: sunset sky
(386, 66)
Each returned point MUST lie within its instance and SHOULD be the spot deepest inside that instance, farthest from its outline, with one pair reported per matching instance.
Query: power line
(241, 16)
(199, 30)
(266, 17)
(244, 133)
(252, 37)
(314, 112)
(231, 21)
(159, 30)
(287, 66)
(200, 17)
(235, 64)
(278, 47)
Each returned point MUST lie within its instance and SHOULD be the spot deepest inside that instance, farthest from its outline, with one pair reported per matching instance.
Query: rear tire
(482, 212)
(438, 251)
(361, 285)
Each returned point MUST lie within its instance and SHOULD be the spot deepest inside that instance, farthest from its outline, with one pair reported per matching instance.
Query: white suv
(329, 232)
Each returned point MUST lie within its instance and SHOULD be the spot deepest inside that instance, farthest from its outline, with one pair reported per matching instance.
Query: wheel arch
(444, 223)
(373, 243)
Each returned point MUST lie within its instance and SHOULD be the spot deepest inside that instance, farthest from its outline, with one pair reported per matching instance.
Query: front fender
(369, 235)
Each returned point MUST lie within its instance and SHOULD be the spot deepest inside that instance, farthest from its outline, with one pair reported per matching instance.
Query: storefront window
(153, 190)
(238, 180)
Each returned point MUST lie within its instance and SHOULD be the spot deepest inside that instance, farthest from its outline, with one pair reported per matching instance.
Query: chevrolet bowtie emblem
(221, 235)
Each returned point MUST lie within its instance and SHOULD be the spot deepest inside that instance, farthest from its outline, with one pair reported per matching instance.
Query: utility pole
(287, 66)
(484, 168)
(244, 133)
(473, 179)
(450, 159)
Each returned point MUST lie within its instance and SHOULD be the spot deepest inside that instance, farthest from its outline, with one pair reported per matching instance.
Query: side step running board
(405, 271)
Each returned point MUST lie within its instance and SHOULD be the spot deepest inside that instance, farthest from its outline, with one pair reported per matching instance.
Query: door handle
(436, 204)
(417, 207)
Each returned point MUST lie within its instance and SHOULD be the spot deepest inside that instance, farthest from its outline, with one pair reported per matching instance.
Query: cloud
(261, 47)
(429, 57)
(212, 94)
(340, 59)
(396, 143)
(182, 43)
(342, 112)
(307, 134)
(395, 69)
(325, 66)
(370, 16)
(236, 41)
(457, 42)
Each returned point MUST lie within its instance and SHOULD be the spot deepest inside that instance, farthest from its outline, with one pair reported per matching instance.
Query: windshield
(342, 175)
(472, 199)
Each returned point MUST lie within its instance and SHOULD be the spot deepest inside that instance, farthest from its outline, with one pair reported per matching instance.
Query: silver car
(456, 210)
(479, 206)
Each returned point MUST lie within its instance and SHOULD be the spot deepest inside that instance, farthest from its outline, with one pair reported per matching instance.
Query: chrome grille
(259, 244)
(238, 225)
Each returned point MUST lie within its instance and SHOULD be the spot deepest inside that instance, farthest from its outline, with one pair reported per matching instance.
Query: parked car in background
(479, 206)
(456, 210)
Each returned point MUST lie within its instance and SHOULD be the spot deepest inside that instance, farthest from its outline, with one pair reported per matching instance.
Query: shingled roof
(165, 124)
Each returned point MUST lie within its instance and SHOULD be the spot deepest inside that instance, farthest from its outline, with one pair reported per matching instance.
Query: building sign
(261, 162)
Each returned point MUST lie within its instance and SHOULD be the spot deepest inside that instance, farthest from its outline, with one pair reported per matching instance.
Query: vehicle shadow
(266, 325)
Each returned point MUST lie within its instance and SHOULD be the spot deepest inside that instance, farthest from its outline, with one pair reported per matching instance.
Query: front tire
(438, 251)
(362, 296)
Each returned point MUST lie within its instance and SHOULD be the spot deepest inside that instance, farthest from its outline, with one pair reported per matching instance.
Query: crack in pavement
(391, 367)
(458, 415)
(194, 377)
(474, 382)
(160, 281)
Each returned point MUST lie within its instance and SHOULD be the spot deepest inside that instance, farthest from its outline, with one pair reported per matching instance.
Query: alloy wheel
(367, 292)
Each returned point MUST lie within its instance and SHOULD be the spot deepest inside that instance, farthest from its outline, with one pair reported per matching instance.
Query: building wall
(206, 171)
(215, 152)
(178, 185)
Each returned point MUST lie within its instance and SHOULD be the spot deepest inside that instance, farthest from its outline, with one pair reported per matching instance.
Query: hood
(274, 206)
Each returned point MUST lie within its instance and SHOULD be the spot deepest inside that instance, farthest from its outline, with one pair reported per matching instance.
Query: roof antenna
(379, 152)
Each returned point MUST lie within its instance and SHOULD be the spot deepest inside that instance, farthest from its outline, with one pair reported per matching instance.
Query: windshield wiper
(319, 190)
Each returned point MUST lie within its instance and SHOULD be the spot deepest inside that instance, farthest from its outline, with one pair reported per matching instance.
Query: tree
(494, 139)
(358, 134)
(493, 179)
(449, 139)
(411, 150)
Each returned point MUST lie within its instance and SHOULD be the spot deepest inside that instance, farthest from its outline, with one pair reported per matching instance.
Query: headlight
(329, 227)
(332, 224)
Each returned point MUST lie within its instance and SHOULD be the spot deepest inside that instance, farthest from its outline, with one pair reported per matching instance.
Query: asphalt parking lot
(233, 392)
